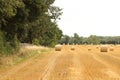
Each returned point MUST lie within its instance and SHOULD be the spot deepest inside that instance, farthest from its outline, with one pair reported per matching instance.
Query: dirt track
(79, 64)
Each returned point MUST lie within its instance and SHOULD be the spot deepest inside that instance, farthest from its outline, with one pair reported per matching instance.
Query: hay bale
(97, 47)
(89, 49)
(103, 49)
(111, 49)
(58, 47)
(72, 48)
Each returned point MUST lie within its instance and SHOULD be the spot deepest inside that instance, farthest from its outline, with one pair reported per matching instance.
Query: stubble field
(86, 62)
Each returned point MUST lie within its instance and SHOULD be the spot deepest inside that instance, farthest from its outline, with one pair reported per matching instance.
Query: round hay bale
(111, 49)
(97, 47)
(58, 48)
(103, 49)
(89, 49)
(72, 48)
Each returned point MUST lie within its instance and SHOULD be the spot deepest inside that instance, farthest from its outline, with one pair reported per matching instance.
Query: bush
(8, 47)
(1, 43)
(15, 43)
(35, 41)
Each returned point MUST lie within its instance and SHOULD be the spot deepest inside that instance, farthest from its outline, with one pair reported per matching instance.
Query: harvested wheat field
(67, 64)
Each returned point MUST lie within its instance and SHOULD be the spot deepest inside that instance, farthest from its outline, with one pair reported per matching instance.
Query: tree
(93, 39)
(71, 40)
(65, 39)
(27, 20)
(76, 38)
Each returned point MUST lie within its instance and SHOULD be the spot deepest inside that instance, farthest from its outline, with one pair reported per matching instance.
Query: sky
(90, 17)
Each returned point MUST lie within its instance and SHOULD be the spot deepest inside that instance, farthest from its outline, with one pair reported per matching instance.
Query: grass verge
(23, 55)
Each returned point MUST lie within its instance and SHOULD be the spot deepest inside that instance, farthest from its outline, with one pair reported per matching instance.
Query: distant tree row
(92, 39)
(28, 21)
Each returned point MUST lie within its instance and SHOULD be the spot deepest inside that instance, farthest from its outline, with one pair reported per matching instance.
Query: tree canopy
(30, 20)
(92, 39)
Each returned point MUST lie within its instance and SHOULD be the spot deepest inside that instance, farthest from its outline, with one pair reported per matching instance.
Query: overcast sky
(86, 17)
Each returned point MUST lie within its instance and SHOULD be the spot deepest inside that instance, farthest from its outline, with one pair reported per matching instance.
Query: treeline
(92, 39)
(28, 21)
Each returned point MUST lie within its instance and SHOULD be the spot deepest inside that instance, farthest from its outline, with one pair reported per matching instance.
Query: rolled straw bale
(72, 48)
(103, 49)
(58, 47)
(111, 49)
(97, 47)
(89, 49)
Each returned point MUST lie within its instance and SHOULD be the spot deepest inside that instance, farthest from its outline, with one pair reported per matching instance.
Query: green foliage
(55, 12)
(1, 42)
(35, 42)
(65, 39)
(7, 48)
(110, 39)
(15, 43)
(28, 21)
(71, 40)
(93, 39)
(8, 9)
(76, 38)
